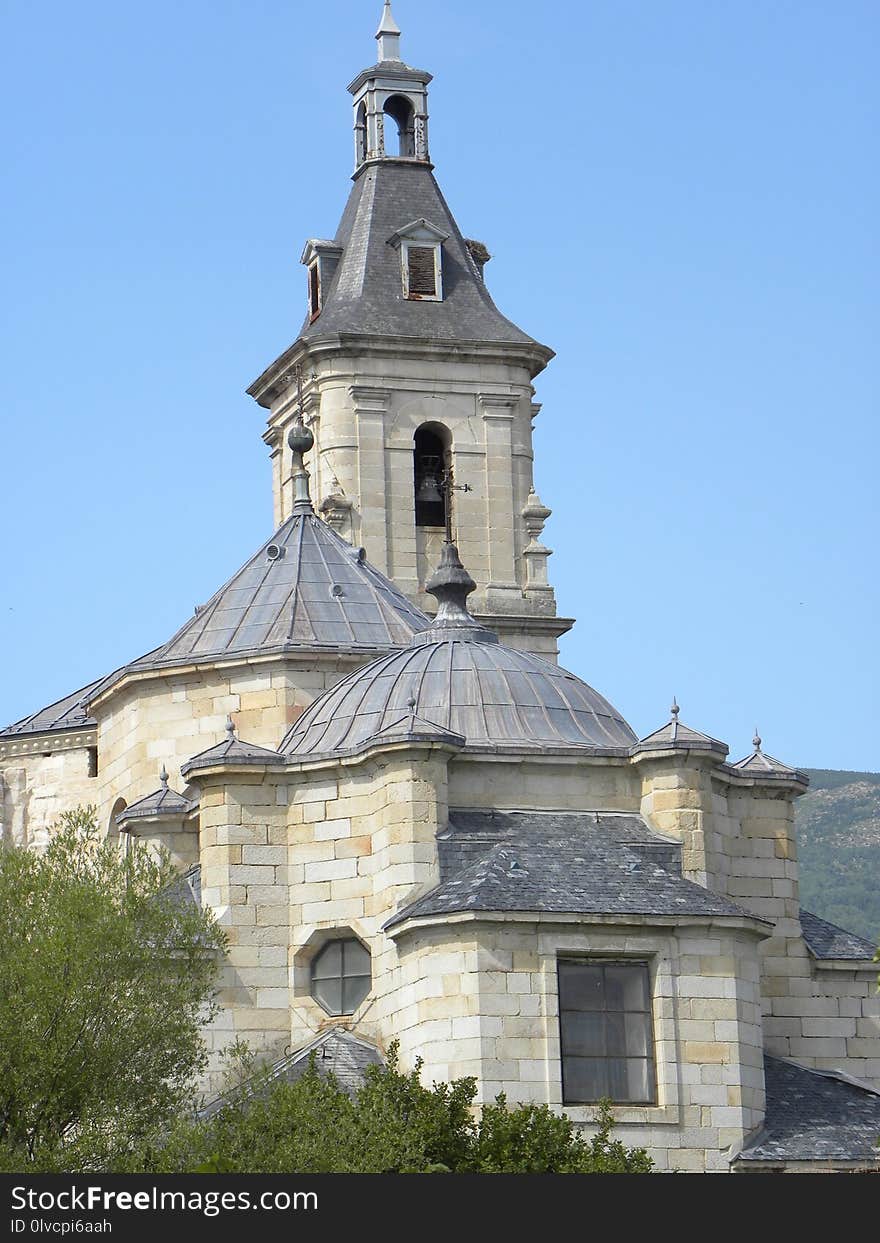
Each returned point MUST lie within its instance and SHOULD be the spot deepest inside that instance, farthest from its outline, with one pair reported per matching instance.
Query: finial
(163, 777)
(674, 709)
(300, 440)
(756, 741)
(450, 585)
(388, 35)
(230, 729)
(411, 704)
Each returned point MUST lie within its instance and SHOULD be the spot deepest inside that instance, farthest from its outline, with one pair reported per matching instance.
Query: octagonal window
(341, 975)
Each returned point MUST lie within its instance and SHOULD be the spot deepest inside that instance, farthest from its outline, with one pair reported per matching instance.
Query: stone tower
(418, 392)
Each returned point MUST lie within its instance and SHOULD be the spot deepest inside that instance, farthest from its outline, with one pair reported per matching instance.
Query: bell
(429, 491)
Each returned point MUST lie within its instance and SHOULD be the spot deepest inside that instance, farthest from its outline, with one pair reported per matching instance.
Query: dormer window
(314, 291)
(421, 260)
(321, 259)
(421, 271)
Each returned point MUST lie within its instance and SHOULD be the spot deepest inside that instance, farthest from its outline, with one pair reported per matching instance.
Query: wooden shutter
(422, 276)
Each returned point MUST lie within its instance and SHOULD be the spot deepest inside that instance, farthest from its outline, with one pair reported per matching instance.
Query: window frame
(313, 276)
(328, 945)
(415, 243)
(644, 965)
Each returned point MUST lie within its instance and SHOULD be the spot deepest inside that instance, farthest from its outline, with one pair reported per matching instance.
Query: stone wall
(170, 717)
(480, 998)
(364, 411)
(41, 776)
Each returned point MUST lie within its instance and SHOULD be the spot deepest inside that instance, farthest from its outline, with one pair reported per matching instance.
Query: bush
(394, 1124)
(105, 981)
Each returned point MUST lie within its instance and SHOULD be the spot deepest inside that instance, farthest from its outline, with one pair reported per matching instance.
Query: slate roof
(71, 712)
(675, 734)
(600, 863)
(365, 295)
(320, 592)
(815, 1116)
(758, 764)
(337, 1051)
(187, 889)
(492, 695)
(162, 802)
(231, 751)
(826, 940)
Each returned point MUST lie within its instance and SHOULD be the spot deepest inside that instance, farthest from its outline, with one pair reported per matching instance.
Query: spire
(300, 440)
(388, 36)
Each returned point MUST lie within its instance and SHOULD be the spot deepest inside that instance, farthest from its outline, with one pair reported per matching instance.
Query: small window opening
(401, 112)
(314, 291)
(430, 462)
(341, 976)
(421, 264)
(92, 762)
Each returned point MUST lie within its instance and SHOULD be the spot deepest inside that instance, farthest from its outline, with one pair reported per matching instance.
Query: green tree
(393, 1124)
(106, 976)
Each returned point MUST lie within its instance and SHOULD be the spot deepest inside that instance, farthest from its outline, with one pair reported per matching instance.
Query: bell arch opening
(431, 460)
(401, 112)
(360, 133)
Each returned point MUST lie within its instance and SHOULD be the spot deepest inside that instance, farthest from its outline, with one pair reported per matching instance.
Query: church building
(413, 824)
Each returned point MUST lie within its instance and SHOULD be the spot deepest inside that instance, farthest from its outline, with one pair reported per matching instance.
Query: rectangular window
(421, 271)
(605, 1031)
(314, 291)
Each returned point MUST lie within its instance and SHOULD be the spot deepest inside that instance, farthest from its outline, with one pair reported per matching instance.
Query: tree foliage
(393, 1124)
(105, 979)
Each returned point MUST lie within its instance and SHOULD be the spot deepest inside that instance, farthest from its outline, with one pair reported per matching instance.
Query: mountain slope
(838, 826)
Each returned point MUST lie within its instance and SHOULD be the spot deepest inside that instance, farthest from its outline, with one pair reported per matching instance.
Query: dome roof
(456, 677)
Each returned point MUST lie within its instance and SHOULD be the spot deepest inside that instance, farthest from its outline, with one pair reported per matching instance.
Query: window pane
(626, 988)
(329, 961)
(639, 1079)
(583, 1033)
(637, 1035)
(354, 990)
(617, 1088)
(584, 1079)
(329, 994)
(580, 986)
(615, 1034)
(356, 958)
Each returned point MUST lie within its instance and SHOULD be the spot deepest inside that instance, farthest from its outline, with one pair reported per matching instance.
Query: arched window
(401, 112)
(430, 463)
(113, 828)
(360, 134)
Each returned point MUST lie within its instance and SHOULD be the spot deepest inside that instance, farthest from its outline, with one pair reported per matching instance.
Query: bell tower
(416, 389)
(390, 103)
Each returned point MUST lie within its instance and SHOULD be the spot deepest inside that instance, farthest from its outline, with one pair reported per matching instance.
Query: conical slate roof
(763, 766)
(457, 678)
(366, 294)
(305, 587)
(675, 735)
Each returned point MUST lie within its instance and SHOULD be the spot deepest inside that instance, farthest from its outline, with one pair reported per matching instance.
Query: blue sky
(681, 199)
